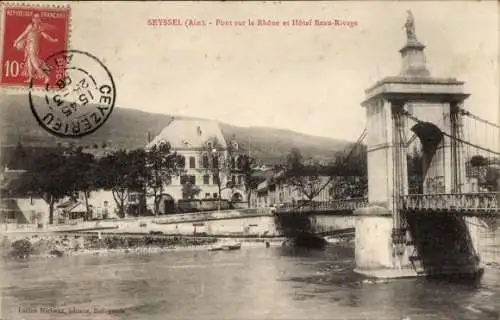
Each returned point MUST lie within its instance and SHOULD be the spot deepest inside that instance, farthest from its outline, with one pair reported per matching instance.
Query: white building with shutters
(193, 140)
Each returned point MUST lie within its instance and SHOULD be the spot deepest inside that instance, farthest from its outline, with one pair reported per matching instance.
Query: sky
(307, 79)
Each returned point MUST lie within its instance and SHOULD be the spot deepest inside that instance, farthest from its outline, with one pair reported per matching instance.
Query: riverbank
(271, 283)
(58, 245)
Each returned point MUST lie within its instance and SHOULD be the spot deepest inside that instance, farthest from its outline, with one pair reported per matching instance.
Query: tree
(19, 158)
(247, 166)
(161, 166)
(349, 173)
(478, 161)
(122, 172)
(294, 161)
(51, 177)
(491, 179)
(307, 179)
(218, 164)
(85, 169)
(190, 191)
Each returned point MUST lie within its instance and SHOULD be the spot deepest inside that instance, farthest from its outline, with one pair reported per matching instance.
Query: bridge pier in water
(392, 241)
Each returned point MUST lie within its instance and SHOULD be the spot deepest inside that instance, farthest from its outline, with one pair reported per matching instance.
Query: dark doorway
(166, 204)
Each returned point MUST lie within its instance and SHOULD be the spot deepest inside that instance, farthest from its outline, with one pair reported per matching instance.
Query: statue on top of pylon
(410, 26)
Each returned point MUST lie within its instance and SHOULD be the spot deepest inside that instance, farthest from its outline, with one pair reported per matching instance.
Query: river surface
(253, 283)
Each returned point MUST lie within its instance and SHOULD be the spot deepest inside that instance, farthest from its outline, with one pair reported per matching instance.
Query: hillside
(128, 128)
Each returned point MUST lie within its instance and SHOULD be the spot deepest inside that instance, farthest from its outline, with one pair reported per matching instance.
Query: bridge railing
(322, 206)
(484, 201)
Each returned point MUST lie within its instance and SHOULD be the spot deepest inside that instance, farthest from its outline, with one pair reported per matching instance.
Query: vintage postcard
(249, 160)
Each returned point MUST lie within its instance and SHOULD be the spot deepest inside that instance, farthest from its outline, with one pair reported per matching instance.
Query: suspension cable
(358, 142)
(467, 113)
(412, 117)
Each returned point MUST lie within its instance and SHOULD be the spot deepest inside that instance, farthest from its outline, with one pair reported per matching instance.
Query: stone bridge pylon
(389, 242)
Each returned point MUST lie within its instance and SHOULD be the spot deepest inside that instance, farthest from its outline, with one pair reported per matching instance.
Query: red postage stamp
(30, 34)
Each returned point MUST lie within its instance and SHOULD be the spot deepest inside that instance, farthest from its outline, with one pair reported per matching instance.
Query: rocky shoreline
(59, 245)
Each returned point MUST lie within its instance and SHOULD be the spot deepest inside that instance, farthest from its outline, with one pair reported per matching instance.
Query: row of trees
(65, 172)
(310, 178)
(489, 171)
(58, 174)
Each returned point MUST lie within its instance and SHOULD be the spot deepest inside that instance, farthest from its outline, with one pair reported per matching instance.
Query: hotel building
(195, 140)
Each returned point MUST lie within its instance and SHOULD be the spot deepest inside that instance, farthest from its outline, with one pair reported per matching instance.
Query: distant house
(18, 208)
(101, 205)
(277, 190)
(192, 139)
(71, 210)
(11, 213)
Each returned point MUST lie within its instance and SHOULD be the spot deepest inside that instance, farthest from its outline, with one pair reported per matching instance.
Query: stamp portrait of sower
(29, 42)
(28, 35)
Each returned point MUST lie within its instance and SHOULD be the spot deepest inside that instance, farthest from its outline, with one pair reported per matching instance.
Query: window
(215, 179)
(192, 162)
(205, 163)
(233, 163)
(240, 180)
(216, 195)
(188, 179)
(233, 180)
(206, 179)
(183, 179)
(207, 195)
(215, 162)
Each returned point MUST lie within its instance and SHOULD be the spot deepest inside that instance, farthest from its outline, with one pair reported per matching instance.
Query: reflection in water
(258, 283)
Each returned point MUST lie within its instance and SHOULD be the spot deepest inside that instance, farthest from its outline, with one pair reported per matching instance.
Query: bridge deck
(469, 204)
(340, 207)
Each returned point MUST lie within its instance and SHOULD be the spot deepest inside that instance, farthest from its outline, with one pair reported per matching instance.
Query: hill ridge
(128, 128)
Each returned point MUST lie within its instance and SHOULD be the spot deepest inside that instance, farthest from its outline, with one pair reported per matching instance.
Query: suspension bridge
(433, 172)
(470, 195)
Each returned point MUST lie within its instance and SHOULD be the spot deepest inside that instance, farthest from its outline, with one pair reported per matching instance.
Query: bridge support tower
(390, 244)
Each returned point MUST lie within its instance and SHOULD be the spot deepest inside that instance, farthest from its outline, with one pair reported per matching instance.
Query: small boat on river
(232, 246)
(215, 248)
(226, 246)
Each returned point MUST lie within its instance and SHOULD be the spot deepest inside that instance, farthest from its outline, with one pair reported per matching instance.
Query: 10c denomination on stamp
(29, 35)
(81, 101)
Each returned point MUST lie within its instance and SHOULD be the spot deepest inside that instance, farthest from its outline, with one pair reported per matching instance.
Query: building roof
(72, 206)
(189, 134)
(10, 206)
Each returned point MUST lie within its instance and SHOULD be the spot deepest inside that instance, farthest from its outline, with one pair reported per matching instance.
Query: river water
(253, 283)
